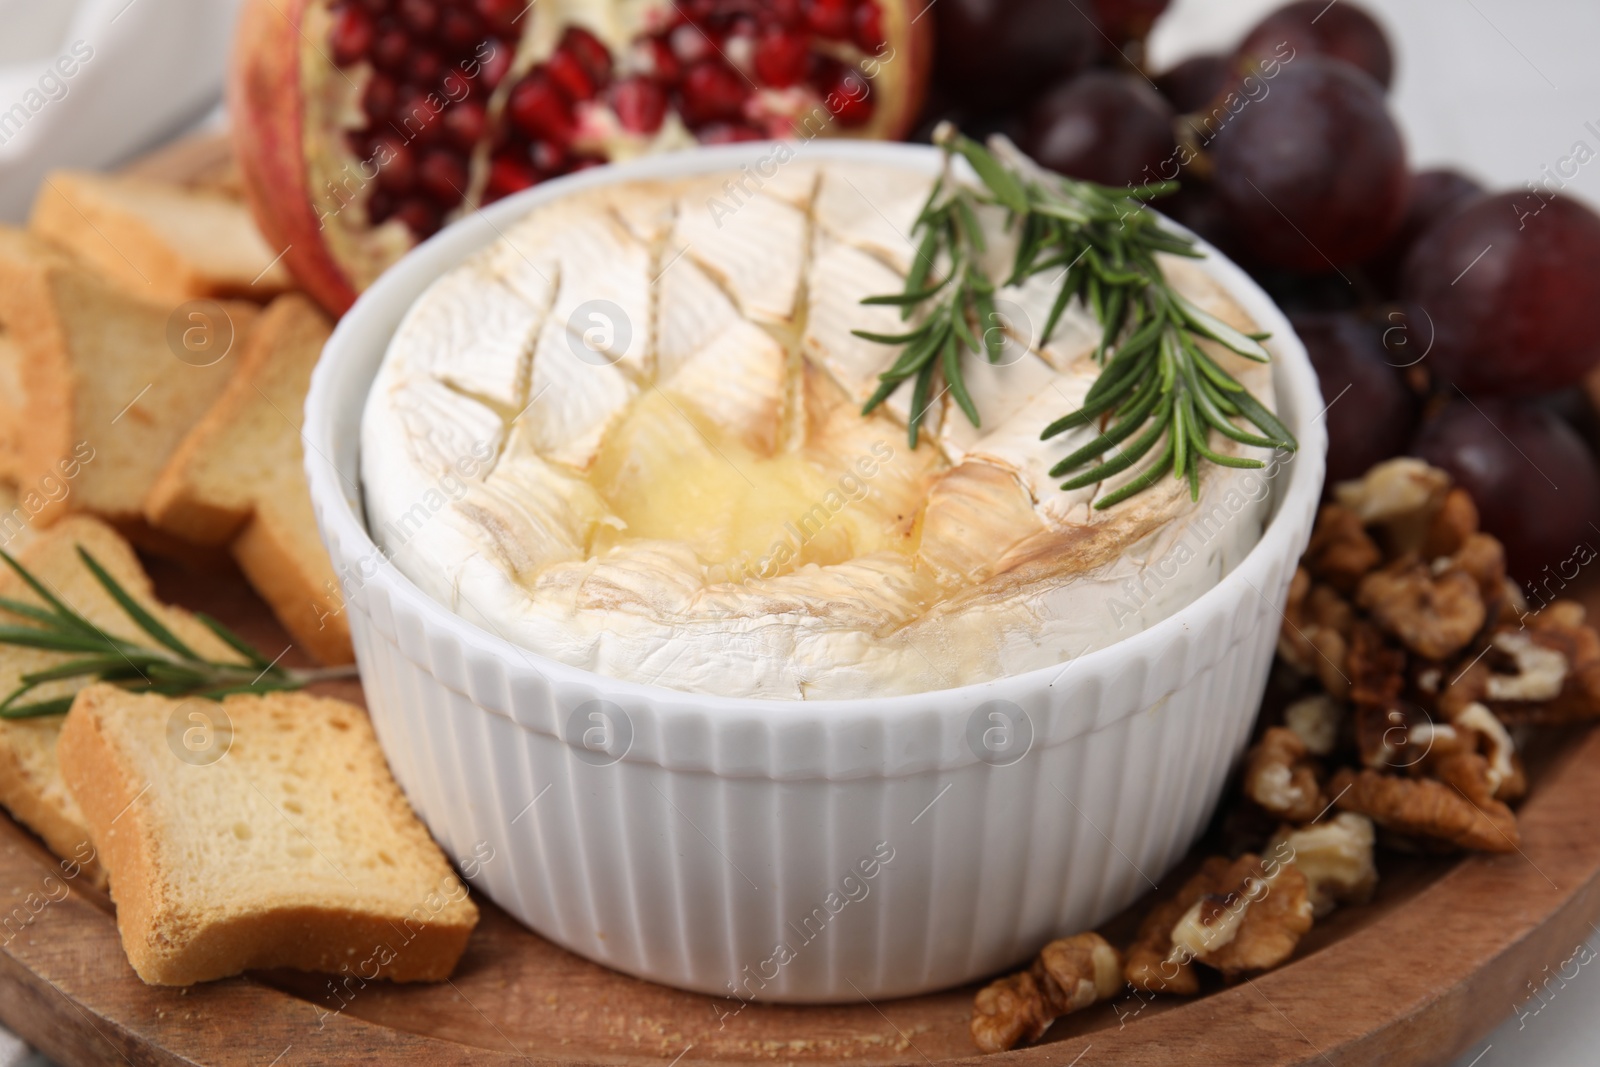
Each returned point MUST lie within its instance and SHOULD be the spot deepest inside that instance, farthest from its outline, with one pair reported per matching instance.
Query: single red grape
(1128, 20)
(1371, 414)
(1433, 195)
(1509, 287)
(1339, 30)
(997, 54)
(1195, 84)
(1105, 127)
(1536, 485)
(1313, 172)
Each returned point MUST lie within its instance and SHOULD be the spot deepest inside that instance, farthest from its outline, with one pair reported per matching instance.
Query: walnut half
(1279, 776)
(1442, 810)
(1336, 858)
(1069, 975)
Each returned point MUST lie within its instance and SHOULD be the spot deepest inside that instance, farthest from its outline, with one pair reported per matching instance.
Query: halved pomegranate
(362, 126)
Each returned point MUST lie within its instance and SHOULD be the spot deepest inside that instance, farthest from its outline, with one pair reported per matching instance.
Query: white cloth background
(141, 71)
(1501, 88)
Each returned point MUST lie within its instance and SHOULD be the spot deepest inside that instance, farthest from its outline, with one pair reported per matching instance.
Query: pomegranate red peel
(361, 126)
(267, 137)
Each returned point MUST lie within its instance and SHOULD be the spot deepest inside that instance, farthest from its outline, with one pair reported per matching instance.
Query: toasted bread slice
(31, 787)
(287, 844)
(163, 242)
(16, 521)
(11, 360)
(240, 476)
(110, 383)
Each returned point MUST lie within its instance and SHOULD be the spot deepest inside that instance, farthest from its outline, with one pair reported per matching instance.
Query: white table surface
(1502, 89)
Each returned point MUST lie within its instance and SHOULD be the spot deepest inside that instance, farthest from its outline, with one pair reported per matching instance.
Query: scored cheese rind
(706, 508)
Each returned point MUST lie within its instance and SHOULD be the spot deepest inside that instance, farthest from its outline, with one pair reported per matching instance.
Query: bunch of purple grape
(1444, 321)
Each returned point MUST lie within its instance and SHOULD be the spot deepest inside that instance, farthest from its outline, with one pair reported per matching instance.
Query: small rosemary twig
(1157, 384)
(168, 666)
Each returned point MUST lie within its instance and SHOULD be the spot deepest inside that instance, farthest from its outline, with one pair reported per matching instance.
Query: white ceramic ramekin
(800, 851)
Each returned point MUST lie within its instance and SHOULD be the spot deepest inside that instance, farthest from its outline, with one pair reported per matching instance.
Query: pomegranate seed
(423, 66)
(728, 133)
(849, 98)
(419, 16)
(377, 7)
(868, 28)
(416, 117)
(508, 175)
(782, 13)
(353, 32)
(712, 92)
(460, 29)
(565, 70)
(420, 217)
(380, 206)
(379, 97)
(640, 104)
(829, 18)
(495, 62)
(540, 110)
(397, 169)
(780, 59)
(585, 163)
(443, 176)
(391, 48)
(689, 43)
(589, 51)
(503, 15)
(547, 157)
(698, 10)
(464, 124)
(661, 61)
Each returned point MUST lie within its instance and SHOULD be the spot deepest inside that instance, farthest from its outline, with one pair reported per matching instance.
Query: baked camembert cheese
(628, 436)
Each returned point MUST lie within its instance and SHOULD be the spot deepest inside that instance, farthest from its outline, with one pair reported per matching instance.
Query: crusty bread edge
(313, 616)
(108, 797)
(69, 841)
(328, 940)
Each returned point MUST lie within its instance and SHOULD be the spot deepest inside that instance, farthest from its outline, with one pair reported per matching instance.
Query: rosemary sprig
(168, 666)
(1157, 384)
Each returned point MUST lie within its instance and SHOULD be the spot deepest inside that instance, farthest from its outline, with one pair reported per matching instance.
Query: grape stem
(1157, 385)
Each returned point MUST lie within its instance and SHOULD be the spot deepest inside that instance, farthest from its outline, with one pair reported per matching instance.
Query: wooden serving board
(1443, 954)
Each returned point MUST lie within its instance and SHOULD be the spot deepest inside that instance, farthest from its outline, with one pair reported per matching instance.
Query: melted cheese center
(672, 476)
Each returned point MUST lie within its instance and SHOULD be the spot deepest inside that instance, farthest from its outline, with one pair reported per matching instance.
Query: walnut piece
(1401, 488)
(1434, 615)
(1503, 775)
(1315, 721)
(1340, 551)
(1008, 1012)
(1151, 967)
(1441, 810)
(1377, 669)
(1335, 857)
(1279, 775)
(1559, 628)
(1541, 671)
(1484, 560)
(1454, 522)
(1069, 975)
(1252, 926)
(1317, 622)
